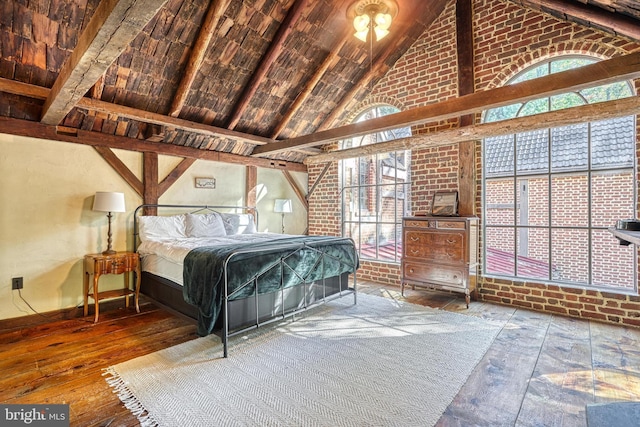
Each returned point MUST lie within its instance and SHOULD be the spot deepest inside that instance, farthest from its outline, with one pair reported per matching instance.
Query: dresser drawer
(418, 223)
(436, 274)
(446, 247)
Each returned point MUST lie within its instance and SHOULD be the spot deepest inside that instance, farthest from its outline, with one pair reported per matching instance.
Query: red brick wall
(508, 39)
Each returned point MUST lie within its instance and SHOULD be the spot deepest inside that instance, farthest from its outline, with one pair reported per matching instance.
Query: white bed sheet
(165, 258)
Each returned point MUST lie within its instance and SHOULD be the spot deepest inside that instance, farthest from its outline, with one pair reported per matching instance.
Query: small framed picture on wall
(205, 183)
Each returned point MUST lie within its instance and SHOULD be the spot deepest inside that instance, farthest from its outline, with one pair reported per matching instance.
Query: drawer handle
(415, 251)
(414, 239)
(452, 241)
(411, 270)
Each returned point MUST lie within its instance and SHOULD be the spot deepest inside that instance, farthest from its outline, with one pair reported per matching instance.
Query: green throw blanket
(304, 259)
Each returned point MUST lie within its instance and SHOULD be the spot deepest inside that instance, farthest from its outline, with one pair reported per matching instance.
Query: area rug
(377, 363)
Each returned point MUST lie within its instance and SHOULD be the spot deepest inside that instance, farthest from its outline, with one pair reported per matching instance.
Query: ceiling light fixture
(372, 18)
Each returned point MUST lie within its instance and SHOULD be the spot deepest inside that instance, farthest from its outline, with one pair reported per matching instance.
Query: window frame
(380, 190)
(515, 228)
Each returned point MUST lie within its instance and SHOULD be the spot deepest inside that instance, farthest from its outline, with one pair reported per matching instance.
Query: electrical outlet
(16, 283)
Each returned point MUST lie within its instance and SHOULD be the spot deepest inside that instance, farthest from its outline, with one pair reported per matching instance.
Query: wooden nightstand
(118, 263)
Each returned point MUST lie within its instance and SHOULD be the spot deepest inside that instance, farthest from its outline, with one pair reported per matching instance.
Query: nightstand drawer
(116, 265)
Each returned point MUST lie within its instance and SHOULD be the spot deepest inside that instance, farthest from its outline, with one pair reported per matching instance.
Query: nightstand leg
(96, 276)
(137, 283)
(126, 288)
(86, 293)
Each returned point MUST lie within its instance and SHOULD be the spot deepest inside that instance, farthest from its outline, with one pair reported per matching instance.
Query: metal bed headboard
(190, 209)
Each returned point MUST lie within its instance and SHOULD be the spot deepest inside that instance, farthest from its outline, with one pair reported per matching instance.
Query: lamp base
(109, 252)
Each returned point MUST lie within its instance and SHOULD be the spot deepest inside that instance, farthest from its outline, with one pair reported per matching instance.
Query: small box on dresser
(440, 253)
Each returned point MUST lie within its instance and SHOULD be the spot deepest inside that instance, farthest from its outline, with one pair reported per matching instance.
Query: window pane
(570, 63)
(389, 246)
(498, 155)
(566, 100)
(499, 202)
(368, 241)
(502, 113)
(533, 151)
(570, 201)
(533, 253)
(500, 251)
(534, 107)
(533, 201)
(608, 92)
(570, 254)
(612, 263)
(609, 192)
(570, 148)
(613, 143)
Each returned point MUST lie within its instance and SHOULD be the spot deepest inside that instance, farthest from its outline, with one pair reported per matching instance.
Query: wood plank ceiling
(224, 79)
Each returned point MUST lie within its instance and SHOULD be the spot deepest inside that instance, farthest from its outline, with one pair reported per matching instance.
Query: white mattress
(165, 258)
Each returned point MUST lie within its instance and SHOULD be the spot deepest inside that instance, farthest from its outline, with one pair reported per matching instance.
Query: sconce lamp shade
(106, 201)
(282, 206)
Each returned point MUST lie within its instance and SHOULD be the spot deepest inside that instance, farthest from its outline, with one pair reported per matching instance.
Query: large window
(551, 194)
(375, 193)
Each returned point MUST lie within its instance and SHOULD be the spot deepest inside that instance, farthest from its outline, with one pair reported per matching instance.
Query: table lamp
(106, 201)
(282, 206)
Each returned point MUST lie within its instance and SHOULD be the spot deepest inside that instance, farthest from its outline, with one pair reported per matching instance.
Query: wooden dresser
(440, 253)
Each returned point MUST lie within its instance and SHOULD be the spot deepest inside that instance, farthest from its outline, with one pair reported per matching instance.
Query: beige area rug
(377, 363)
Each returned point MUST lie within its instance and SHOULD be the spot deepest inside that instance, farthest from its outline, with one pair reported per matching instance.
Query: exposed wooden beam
(612, 23)
(296, 189)
(603, 72)
(318, 179)
(214, 13)
(267, 60)
(590, 112)
(150, 173)
(466, 85)
(251, 184)
(311, 84)
(114, 24)
(122, 169)
(42, 131)
(24, 89)
(173, 122)
(173, 176)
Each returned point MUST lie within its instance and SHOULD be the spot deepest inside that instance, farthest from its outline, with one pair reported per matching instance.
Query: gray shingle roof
(612, 140)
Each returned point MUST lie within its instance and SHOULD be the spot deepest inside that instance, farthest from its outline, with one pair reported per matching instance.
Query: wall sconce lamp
(372, 18)
(282, 206)
(106, 201)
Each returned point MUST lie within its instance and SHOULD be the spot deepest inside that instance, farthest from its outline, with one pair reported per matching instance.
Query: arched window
(551, 194)
(375, 193)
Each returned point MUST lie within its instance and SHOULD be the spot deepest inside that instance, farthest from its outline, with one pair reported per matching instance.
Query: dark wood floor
(540, 371)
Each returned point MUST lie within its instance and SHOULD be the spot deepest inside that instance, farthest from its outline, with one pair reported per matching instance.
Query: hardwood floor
(540, 371)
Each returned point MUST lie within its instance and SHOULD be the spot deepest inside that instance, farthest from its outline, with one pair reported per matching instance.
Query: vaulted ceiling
(222, 76)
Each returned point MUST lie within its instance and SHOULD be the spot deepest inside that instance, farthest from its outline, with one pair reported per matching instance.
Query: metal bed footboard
(291, 249)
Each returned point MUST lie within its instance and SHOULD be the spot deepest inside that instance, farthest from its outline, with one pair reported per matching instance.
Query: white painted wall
(47, 225)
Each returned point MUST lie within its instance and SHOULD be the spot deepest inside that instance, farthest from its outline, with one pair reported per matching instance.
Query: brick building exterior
(507, 39)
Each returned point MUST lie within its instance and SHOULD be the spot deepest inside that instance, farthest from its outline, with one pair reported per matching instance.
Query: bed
(210, 264)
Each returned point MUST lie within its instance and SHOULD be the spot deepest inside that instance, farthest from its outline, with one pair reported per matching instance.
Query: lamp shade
(106, 201)
(282, 206)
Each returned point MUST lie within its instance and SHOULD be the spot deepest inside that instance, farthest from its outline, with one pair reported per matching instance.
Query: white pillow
(238, 223)
(161, 227)
(205, 225)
